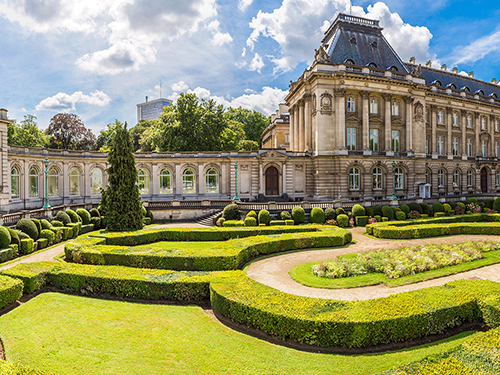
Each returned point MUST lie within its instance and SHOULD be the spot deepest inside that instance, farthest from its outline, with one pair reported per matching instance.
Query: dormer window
(493, 95)
(374, 44)
(393, 69)
(465, 88)
(480, 92)
(372, 65)
(452, 86)
(436, 83)
(352, 40)
(349, 62)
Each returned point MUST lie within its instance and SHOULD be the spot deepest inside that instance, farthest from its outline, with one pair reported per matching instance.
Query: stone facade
(357, 123)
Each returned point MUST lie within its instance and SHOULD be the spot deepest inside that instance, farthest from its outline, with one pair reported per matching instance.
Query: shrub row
(327, 323)
(193, 234)
(228, 255)
(116, 280)
(10, 290)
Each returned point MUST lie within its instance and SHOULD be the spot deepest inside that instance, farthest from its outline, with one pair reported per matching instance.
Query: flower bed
(403, 262)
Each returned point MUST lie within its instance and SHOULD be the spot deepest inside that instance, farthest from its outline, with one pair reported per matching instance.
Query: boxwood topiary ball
(343, 221)
(37, 223)
(252, 214)
(298, 215)
(4, 238)
(94, 212)
(285, 215)
(72, 215)
(28, 227)
(358, 210)
(84, 214)
(264, 217)
(14, 237)
(45, 224)
(330, 214)
(63, 217)
(231, 212)
(388, 212)
(400, 215)
(317, 216)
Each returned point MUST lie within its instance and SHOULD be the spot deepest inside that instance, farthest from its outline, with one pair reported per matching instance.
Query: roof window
(374, 44)
(393, 68)
(372, 65)
(349, 62)
(352, 40)
(437, 83)
(465, 88)
(452, 86)
(480, 92)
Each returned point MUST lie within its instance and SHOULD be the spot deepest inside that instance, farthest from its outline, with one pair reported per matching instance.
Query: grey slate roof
(360, 40)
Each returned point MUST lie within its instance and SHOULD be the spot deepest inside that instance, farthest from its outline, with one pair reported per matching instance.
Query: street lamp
(236, 198)
(394, 197)
(46, 206)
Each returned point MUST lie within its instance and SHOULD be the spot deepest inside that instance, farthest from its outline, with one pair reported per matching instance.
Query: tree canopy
(193, 125)
(26, 133)
(67, 131)
(121, 202)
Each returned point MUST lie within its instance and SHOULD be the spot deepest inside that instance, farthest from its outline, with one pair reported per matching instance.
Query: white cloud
(257, 63)
(219, 38)
(65, 102)
(180, 86)
(244, 4)
(477, 49)
(266, 101)
(131, 27)
(298, 27)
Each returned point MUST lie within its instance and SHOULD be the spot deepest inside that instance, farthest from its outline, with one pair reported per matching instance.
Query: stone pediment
(273, 154)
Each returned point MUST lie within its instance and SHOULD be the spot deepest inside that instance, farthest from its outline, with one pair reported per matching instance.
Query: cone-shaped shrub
(121, 202)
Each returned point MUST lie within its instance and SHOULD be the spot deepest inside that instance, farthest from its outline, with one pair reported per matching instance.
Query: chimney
(3, 114)
(443, 67)
(471, 74)
(455, 70)
(146, 99)
(493, 80)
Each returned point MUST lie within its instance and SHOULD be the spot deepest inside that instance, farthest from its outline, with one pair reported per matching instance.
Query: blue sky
(99, 58)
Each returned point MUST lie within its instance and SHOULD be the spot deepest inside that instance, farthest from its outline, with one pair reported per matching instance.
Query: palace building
(358, 122)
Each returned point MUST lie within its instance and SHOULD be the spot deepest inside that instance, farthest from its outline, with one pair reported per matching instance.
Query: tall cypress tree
(121, 202)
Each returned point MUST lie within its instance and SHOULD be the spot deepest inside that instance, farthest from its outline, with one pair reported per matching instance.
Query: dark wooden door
(484, 180)
(272, 178)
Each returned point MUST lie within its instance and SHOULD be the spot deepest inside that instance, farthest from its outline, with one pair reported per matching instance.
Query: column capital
(365, 94)
(409, 99)
(307, 97)
(433, 107)
(388, 97)
(301, 102)
(463, 112)
(339, 92)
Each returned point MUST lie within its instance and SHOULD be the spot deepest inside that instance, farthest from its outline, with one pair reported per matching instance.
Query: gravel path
(274, 271)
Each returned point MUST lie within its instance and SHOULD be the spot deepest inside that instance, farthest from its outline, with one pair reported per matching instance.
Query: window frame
(378, 178)
(15, 180)
(143, 181)
(354, 178)
(185, 181)
(33, 183)
(95, 185)
(208, 176)
(351, 138)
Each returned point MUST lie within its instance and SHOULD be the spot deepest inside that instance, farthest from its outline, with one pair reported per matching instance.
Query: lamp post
(236, 198)
(394, 197)
(46, 205)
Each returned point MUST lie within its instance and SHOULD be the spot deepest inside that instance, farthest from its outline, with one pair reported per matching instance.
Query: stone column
(388, 121)
(409, 123)
(292, 127)
(178, 180)
(308, 122)
(302, 131)
(340, 117)
(463, 127)
(296, 128)
(449, 126)
(366, 119)
(433, 131)
(477, 126)
(201, 181)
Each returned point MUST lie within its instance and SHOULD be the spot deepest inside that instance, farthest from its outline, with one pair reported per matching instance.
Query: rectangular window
(456, 179)
(497, 175)
(374, 139)
(497, 149)
(484, 148)
(287, 138)
(440, 145)
(440, 117)
(395, 141)
(469, 178)
(33, 186)
(426, 144)
(469, 147)
(497, 125)
(351, 104)
(455, 146)
(455, 119)
(395, 108)
(469, 121)
(351, 138)
(373, 106)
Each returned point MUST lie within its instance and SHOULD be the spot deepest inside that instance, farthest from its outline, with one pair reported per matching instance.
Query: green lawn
(77, 335)
(303, 275)
(185, 248)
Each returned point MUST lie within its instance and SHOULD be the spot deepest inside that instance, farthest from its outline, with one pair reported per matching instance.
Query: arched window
(143, 181)
(465, 88)
(33, 182)
(480, 92)
(399, 176)
(354, 178)
(53, 182)
(212, 181)
(377, 178)
(437, 83)
(14, 183)
(393, 68)
(452, 86)
(497, 177)
(470, 178)
(372, 65)
(456, 178)
(96, 181)
(188, 181)
(74, 182)
(165, 181)
(441, 177)
(428, 176)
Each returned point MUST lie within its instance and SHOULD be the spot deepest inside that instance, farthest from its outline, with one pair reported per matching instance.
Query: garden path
(273, 271)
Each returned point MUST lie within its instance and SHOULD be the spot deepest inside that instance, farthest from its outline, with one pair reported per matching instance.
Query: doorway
(484, 180)
(272, 179)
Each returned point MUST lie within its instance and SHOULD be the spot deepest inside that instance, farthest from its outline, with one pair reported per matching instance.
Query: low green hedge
(327, 323)
(118, 281)
(361, 221)
(10, 290)
(233, 223)
(490, 308)
(86, 228)
(227, 255)
(27, 246)
(42, 243)
(194, 234)
(277, 222)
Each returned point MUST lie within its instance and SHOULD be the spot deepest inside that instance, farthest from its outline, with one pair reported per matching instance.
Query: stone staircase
(209, 220)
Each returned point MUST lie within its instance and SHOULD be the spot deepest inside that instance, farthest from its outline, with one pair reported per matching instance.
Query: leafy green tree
(26, 133)
(232, 135)
(253, 122)
(136, 133)
(106, 137)
(121, 202)
(67, 131)
(247, 145)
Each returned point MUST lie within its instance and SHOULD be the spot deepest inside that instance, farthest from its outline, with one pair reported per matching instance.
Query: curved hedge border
(10, 290)
(228, 255)
(483, 224)
(328, 323)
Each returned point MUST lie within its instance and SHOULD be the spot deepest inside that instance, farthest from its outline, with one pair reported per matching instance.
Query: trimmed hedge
(289, 222)
(328, 323)
(49, 235)
(330, 214)
(361, 221)
(72, 215)
(233, 223)
(37, 223)
(388, 212)
(298, 215)
(84, 214)
(264, 217)
(14, 237)
(42, 243)
(252, 214)
(277, 222)
(231, 212)
(490, 308)
(27, 246)
(228, 255)
(250, 221)
(358, 210)
(317, 216)
(10, 290)
(9, 253)
(63, 217)
(5, 237)
(28, 227)
(285, 215)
